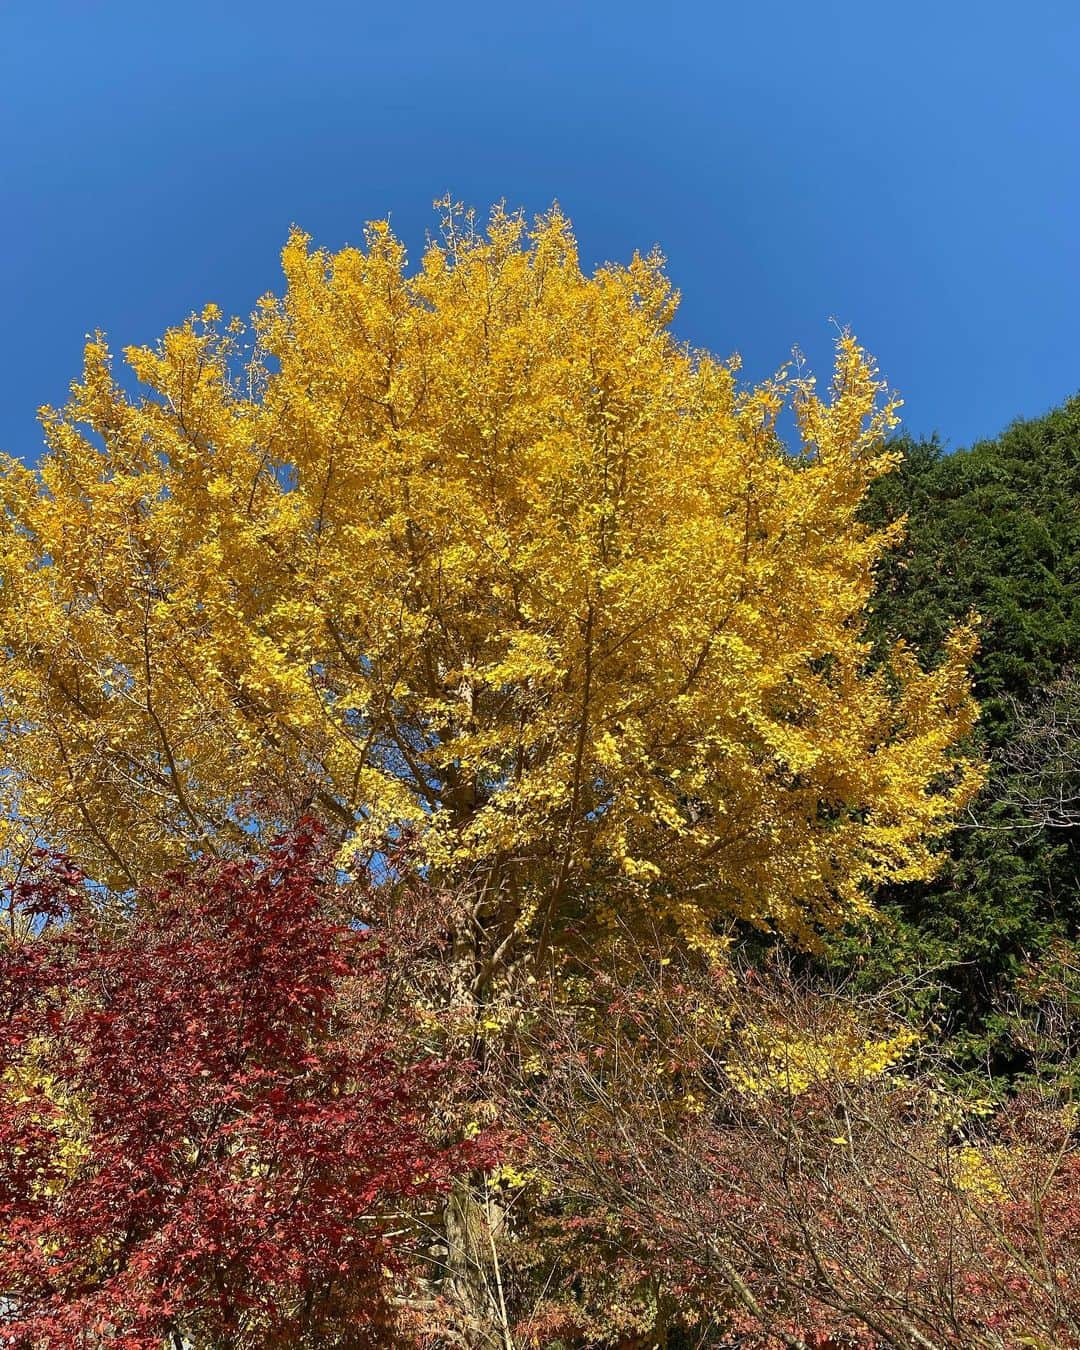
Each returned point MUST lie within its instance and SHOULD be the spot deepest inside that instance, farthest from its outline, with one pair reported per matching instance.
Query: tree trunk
(473, 1281)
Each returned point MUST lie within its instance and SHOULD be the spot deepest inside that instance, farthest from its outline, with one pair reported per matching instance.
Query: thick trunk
(473, 1218)
(473, 1281)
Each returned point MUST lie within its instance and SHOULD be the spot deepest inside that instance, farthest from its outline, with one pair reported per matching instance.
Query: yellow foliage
(29, 1083)
(774, 1059)
(978, 1174)
(481, 551)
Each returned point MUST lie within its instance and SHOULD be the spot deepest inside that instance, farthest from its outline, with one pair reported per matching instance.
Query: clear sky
(910, 169)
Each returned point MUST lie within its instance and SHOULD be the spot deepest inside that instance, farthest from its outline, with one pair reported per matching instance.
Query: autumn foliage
(477, 549)
(730, 1155)
(204, 1128)
(451, 749)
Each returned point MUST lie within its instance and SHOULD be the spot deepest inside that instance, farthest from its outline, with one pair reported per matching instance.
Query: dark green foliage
(995, 530)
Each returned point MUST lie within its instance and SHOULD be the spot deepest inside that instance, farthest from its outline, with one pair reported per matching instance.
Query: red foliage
(242, 1138)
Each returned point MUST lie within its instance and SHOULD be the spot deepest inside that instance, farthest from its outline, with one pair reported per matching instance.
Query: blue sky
(909, 169)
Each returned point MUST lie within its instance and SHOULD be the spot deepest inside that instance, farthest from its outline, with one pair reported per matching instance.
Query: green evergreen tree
(994, 529)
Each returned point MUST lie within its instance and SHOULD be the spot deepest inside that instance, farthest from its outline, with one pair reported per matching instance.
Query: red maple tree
(206, 1132)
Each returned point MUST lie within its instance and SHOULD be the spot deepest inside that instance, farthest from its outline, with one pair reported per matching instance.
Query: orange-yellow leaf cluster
(478, 551)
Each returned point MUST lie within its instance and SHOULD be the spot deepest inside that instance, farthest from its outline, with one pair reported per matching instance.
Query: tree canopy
(479, 552)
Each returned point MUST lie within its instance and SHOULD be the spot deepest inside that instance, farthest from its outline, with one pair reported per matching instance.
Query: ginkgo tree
(477, 553)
